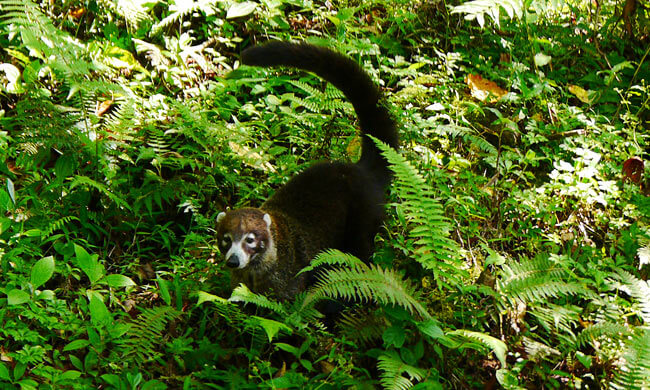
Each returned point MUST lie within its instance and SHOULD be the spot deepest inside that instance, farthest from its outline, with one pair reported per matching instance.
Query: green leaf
(46, 295)
(17, 297)
(99, 313)
(89, 264)
(19, 370)
(11, 190)
(76, 362)
(112, 379)
(394, 335)
(70, 375)
(64, 166)
(77, 344)
(431, 329)
(239, 10)
(42, 271)
(207, 297)
(270, 327)
(164, 291)
(288, 348)
(4, 372)
(116, 281)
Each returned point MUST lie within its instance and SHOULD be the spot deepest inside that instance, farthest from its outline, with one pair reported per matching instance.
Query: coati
(329, 205)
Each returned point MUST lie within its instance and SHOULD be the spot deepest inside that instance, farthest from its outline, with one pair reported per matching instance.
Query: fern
(536, 280)
(393, 368)
(538, 351)
(145, 334)
(134, 12)
(365, 283)
(362, 325)
(637, 289)
(486, 341)
(435, 251)
(318, 101)
(242, 294)
(468, 135)
(635, 371)
(596, 332)
(57, 225)
(477, 9)
(88, 182)
(332, 257)
(237, 319)
(182, 8)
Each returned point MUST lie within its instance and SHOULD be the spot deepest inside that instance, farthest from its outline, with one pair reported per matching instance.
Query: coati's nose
(233, 261)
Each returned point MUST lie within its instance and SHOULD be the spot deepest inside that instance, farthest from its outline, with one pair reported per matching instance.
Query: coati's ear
(267, 219)
(220, 216)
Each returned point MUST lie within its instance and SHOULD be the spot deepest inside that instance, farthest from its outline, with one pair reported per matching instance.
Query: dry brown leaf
(483, 89)
(103, 107)
(77, 13)
(633, 169)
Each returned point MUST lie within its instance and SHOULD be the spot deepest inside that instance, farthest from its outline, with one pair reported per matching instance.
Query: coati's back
(329, 205)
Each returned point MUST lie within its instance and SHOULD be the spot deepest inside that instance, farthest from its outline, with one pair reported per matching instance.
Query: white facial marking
(220, 216)
(237, 249)
(226, 239)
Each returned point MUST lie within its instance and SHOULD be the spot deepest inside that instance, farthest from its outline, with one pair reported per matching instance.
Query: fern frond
(468, 135)
(497, 346)
(318, 101)
(435, 251)
(538, 351)
(332, 257)
(392, 369)
(598, 331)
(365, 283)
(88, 182)
(239, 320)
(635, 371)
(180, 9)
(242, 294)
(637, 289)
(153, 53)
(362, 326)
(145, 333)
(132, 11)
(534, 280)
(57, 225)
(477, 9)
(556, 317)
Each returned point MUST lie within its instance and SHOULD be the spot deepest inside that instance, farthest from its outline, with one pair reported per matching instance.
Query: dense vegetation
(516, 249)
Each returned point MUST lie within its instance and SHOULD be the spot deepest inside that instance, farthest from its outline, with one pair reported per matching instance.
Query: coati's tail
(347, 76)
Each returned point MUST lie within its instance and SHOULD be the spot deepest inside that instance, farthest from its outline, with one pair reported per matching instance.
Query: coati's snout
(233, 261)
(244, 236)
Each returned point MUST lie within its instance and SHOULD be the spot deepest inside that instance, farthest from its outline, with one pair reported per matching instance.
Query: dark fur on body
(329, 205)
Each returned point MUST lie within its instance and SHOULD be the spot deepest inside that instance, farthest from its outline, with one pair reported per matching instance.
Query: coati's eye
(250, 239)
(225, 241)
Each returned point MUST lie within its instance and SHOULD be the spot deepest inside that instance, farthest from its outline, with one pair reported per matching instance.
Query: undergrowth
(516, 248)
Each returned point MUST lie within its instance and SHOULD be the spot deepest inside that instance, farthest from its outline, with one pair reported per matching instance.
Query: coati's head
(244, 236)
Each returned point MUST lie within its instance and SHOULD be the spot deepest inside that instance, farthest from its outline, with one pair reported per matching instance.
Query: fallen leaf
(77, 13)
(481, 88)
(633, 169)
(103, 107)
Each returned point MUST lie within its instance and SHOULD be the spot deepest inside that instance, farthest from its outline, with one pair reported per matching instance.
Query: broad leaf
(89, 264)
(42, 271)
(17, 297)
(116, 281)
